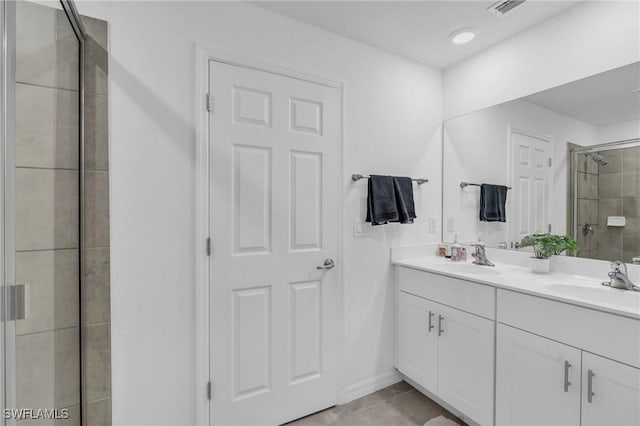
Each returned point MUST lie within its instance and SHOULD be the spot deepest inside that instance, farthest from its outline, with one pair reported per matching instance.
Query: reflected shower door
(42, 239)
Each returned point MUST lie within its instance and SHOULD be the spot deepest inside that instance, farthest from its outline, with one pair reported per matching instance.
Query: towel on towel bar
(492, 203)
(390, 199)
(404, 199)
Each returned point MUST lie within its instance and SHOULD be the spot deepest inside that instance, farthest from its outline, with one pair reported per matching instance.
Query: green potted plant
(545, 246)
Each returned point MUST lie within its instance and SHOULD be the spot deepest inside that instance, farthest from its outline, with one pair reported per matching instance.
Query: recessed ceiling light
(462, 36)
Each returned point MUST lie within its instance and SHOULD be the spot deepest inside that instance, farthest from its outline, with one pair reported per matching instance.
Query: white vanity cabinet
(537, 380)
(542, 381)
(446, 350)
(611, 392)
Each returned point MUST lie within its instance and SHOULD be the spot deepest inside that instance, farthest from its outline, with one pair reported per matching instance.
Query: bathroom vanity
(506, 346)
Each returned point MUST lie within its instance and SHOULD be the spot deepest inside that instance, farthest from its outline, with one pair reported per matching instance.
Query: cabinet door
(465, 362)
(537, 380)
(610, 392)
(417, 344)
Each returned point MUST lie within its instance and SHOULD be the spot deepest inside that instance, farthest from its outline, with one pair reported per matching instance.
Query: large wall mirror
(571, 157)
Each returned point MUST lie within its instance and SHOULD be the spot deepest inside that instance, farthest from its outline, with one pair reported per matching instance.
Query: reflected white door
(274, 166)
(529, 208)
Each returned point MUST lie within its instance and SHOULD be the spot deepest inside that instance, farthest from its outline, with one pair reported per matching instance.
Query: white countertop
(574, 289)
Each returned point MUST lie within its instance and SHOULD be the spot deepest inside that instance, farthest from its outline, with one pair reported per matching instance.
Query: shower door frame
(7, 197)
(573, 187)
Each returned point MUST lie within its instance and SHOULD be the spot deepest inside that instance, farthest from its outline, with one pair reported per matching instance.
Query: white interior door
(530, 181)
(274, 209)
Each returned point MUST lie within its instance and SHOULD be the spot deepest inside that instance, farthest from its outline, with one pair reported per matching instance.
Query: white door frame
(202, 260)
(511, 130)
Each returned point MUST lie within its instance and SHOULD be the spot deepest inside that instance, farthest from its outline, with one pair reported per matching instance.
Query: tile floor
(397, 405)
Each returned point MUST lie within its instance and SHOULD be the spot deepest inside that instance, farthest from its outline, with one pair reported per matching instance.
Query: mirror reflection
(570, 156)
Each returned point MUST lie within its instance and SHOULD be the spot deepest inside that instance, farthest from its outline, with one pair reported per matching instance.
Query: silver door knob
(328, 264)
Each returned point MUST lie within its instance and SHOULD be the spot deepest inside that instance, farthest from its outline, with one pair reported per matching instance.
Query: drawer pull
(430, 325)
(590, 392)
(440, 329)
(567, 383)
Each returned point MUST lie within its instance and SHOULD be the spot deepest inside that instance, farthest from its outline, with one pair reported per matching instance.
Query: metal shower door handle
(18, 301)
(328, 264)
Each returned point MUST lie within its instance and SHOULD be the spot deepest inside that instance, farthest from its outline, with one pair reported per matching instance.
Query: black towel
(492, 203)
(404, 199)
(381, 200)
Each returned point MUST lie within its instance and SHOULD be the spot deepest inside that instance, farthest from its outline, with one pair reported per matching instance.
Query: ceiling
(601, 100)
(419, 30)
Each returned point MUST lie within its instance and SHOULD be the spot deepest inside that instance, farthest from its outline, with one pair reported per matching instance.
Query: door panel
(465, 363)
(530, 177)
(615, 392)
(273, 217)
(417, 343)
(530, 380)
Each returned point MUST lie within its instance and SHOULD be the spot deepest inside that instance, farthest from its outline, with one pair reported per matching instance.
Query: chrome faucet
(480, 256)
(620, 279)
(502, 245)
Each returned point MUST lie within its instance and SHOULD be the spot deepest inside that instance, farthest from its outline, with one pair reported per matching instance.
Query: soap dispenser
(456, 250)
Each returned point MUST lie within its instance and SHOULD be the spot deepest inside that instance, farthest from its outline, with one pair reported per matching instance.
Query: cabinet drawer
(464, 295)
(609, 335)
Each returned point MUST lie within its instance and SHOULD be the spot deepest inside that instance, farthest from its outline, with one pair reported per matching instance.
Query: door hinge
(549, 228)
(208, 246)
(209, 102)
(209, 390)
(550, 161)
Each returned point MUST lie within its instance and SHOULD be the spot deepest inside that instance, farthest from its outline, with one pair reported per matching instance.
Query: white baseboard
(358, 390)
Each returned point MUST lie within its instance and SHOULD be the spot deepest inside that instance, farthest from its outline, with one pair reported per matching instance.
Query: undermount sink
(470, 268)
(613, 296)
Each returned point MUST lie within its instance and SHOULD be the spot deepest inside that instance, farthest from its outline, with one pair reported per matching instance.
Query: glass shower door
(42, 220)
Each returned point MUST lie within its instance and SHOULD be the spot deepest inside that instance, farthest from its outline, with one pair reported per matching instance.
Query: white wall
(587, 39)
(477, 150)
(619, 132)
(392, 117)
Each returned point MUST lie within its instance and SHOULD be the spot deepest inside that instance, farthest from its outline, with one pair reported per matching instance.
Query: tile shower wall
(48, 344)
(96, 290)
(47, 211)
(619, 195)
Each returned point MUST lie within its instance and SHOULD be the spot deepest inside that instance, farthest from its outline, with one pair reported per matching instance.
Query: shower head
(598, 158)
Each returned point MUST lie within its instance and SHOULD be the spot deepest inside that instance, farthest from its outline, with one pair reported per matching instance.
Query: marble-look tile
(632, 229)
(96, 286)
(73, 419)
(608, 208)
(47, 131)
(35, 370)
(614, 162)
(96, 151)
(631, 245)
(610, 186)
(631, 208)
(47, 50)
(53, 289)
(46, 209)
(97, 368)
(96, 68)
(610, 244)
(96, 209)
(67, 367)
(631, 159)
(99, 413)
(630, 185)
(593, 211)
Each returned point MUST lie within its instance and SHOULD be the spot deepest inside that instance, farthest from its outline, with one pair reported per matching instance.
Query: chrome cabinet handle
(567, 383)
(440, 329)
(328, 264)
(590, 392)
(431, 314)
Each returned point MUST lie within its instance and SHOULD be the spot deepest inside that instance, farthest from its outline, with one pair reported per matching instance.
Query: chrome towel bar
(465, 184)
(357, 177)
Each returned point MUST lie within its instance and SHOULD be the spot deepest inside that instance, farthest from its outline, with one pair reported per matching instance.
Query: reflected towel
(381, 200)
(403, 187)
(492, 203)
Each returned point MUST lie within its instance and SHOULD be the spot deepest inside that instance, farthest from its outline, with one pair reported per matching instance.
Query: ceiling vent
(501, 8)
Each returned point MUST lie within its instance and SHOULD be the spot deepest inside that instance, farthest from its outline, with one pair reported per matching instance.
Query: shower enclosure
(605, 200)
(53, 205)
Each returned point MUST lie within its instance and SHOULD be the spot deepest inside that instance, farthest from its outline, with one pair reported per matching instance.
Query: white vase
(540, 266)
